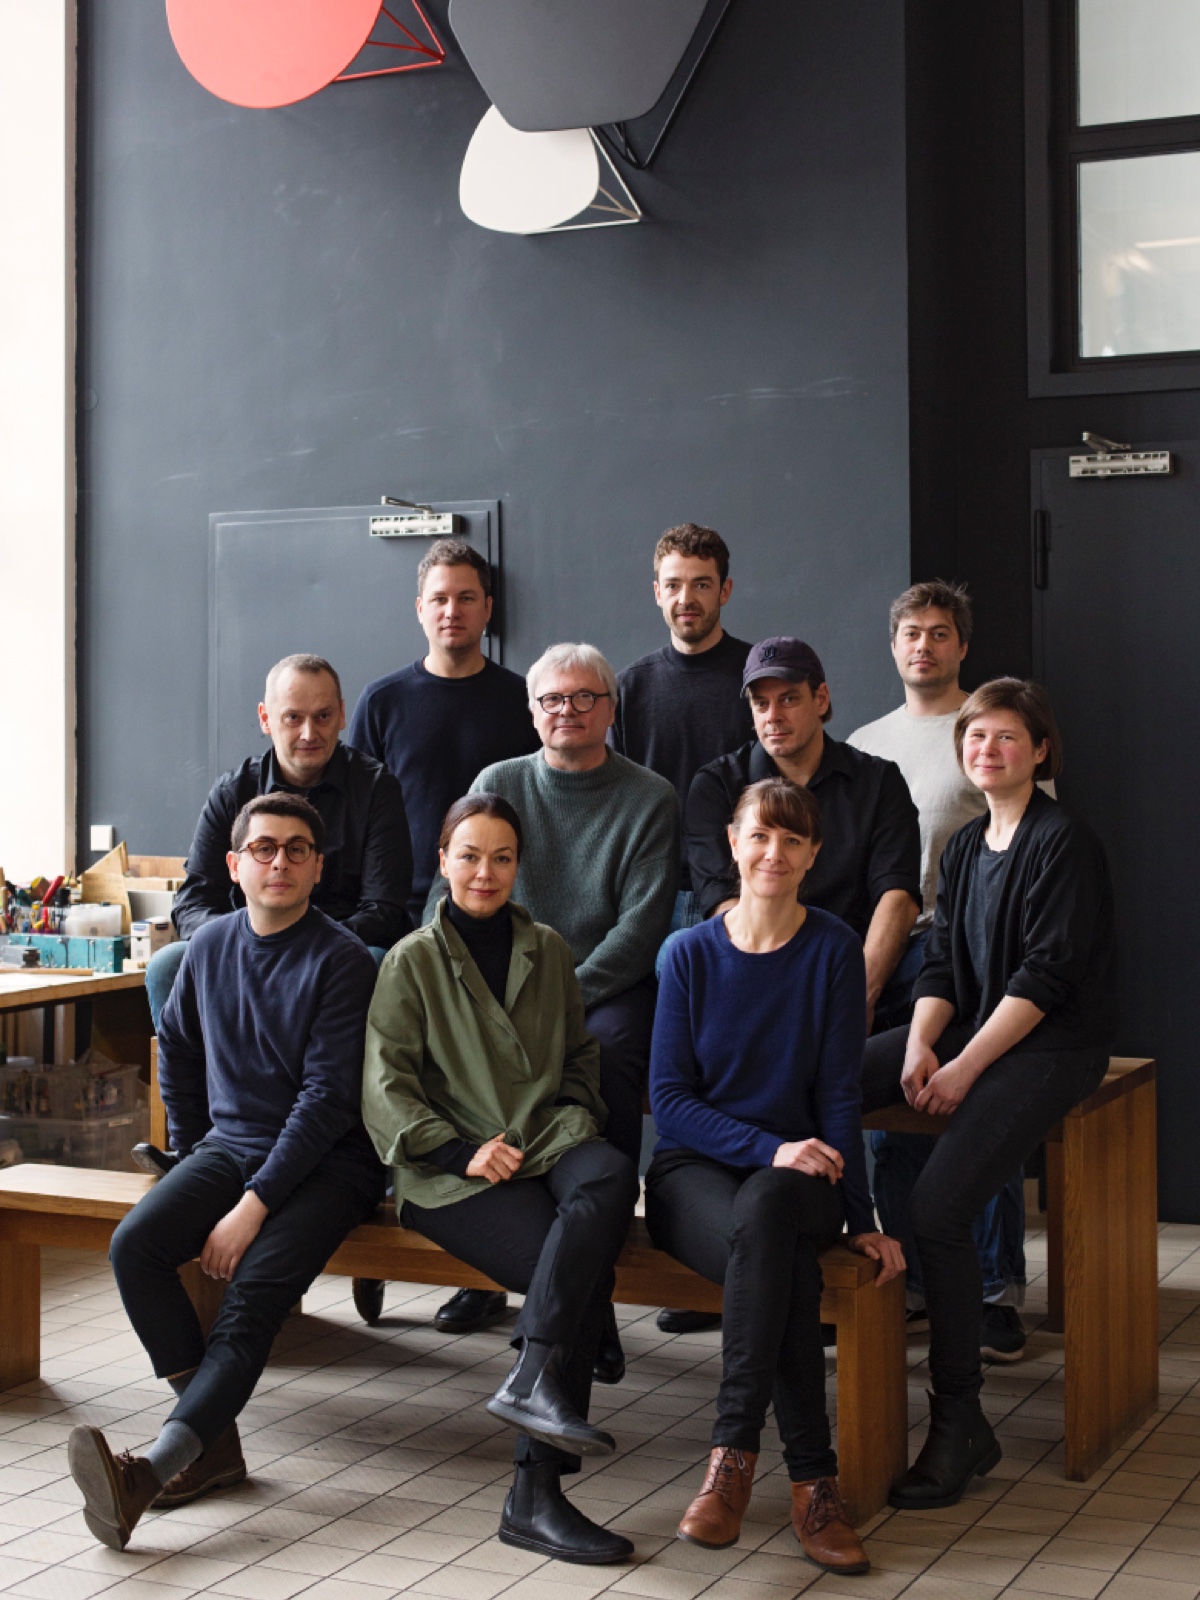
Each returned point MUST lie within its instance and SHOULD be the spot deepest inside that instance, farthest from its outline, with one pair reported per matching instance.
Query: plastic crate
(68, 1091)
(103, 1142)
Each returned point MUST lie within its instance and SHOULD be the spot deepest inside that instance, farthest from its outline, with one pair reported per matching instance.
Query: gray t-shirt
(981, 897)
(923, 749)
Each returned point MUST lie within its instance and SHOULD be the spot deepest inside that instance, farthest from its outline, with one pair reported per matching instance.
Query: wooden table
(111, 1012)
(1102, 1249)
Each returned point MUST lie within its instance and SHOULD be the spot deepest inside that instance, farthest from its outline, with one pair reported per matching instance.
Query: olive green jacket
(445, 1061)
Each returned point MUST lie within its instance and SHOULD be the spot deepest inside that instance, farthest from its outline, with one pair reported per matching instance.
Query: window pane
(1139, 255)
(1138, 59)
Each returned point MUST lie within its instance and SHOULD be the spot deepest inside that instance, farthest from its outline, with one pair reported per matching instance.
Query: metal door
(281, 582)
(1116, 585)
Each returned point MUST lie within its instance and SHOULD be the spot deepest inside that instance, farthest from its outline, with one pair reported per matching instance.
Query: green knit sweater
(599, 864)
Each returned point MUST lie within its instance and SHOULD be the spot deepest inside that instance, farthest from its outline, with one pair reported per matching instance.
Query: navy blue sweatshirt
(754, 1051)
(437, 735)
(260, 1051)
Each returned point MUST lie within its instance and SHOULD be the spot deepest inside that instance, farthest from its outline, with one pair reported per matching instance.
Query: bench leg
(204, 1292)
(1109, 1247)
(20, 1314)
(872, 1395)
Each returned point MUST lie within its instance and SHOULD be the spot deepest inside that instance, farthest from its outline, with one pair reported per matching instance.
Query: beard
(693, 629)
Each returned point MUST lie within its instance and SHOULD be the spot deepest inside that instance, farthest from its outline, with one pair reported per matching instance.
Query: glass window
(1138, 59)
(1139, 255)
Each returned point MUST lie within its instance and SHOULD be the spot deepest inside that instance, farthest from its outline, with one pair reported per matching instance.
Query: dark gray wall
(287, 308)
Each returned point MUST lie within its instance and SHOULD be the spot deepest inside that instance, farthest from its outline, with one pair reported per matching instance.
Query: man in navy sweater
(260, 1055)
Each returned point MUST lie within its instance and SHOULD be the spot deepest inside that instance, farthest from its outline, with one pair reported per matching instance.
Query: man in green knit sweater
(599, 865)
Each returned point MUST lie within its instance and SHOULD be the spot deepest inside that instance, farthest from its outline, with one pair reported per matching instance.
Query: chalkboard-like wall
(287, 308)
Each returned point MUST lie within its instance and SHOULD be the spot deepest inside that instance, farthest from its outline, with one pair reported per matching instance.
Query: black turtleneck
(489, 941)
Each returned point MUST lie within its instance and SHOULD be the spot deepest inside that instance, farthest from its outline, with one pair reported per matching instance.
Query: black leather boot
(609, 1365)
(538, 1516)
(959, 1446)
(534, 1399)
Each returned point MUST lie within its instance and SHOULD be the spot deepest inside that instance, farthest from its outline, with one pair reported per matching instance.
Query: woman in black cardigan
(1014, 1018)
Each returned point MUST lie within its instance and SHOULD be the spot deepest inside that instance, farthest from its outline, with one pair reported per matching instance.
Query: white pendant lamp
(514, 182)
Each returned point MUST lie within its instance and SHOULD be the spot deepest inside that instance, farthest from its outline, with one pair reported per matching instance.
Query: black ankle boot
(538, 1516)
(960, 1445)
(609, 1365)
(534, 1399)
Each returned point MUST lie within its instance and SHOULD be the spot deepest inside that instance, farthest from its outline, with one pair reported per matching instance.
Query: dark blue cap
(783, 657)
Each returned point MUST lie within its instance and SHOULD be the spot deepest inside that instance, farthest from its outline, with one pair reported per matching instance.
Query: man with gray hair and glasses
(599, 865)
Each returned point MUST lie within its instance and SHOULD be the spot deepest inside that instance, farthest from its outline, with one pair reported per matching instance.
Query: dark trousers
(1005, 1115)
(555, 1239)
(999, 1229)
(758, 1232)
(622, 1027)
(170, 1226)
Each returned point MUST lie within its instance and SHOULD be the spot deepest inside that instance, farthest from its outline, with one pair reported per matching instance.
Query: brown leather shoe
(220, 1467)
(714, 1518)
(116, 1489)
(820, 1523)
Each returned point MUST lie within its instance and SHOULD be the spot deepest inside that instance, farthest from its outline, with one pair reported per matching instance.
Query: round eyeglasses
(581, 700)
(264, 851)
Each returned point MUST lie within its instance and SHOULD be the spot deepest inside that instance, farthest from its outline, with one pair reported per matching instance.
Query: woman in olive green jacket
(481, 1090)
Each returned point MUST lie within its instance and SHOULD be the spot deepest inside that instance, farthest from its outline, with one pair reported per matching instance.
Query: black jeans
(622, 1027)
(1004, 1116)
(555, 1239)
(170, 1225)
(758, 1231)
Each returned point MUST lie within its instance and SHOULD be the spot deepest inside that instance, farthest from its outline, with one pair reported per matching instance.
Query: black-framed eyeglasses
(581, 700)
(264, 851)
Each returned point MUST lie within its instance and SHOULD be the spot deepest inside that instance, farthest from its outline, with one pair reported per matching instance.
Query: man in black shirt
(439, 721)
(435, 725)
(367, 877)
(683, 705)
(869, 869)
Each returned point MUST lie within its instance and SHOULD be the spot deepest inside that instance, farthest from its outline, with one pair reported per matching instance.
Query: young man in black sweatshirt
(260, 1066)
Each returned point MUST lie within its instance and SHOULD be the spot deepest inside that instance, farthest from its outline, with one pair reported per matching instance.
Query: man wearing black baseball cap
(869, 869)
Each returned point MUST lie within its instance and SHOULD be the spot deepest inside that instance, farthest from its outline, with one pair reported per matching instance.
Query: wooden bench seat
(1102, 1247)
(78, 1209)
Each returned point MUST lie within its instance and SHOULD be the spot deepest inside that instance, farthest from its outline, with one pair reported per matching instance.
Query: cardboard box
(117, 873)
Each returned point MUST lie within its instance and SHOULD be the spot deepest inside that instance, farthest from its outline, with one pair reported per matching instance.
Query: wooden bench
(78, 1209)
(1102, 1245)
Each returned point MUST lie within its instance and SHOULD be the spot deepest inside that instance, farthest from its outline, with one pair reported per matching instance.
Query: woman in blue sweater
(755, 1088)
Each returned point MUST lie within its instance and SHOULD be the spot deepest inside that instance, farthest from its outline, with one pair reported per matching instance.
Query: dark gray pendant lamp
(548, 64)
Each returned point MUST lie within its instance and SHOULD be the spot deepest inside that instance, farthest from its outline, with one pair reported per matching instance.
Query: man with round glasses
(260, 1055)
(600, 865)
(367, 875)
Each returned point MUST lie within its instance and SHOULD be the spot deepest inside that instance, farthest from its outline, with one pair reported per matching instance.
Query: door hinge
(1041, 549)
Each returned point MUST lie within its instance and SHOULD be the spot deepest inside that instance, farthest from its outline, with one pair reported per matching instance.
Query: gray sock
(175, 1448)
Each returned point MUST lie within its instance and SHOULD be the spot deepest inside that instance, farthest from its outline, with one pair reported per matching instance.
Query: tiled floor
(376, 1470)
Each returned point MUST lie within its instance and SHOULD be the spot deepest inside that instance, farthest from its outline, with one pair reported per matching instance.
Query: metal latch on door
(1112, 460)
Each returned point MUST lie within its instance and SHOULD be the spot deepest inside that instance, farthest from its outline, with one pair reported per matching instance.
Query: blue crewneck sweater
(754, 1051)
(260, 1051)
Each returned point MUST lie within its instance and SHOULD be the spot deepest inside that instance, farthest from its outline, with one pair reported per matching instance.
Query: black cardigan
(1051, 937)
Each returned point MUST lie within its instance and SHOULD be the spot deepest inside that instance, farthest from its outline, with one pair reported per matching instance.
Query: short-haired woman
(481, 1089)
(754, 1085)
(1014, 1018)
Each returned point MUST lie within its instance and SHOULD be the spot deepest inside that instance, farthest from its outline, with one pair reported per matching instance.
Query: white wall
(37, 436)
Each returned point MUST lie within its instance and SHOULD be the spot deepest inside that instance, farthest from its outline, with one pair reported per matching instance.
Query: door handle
(1041, 549)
